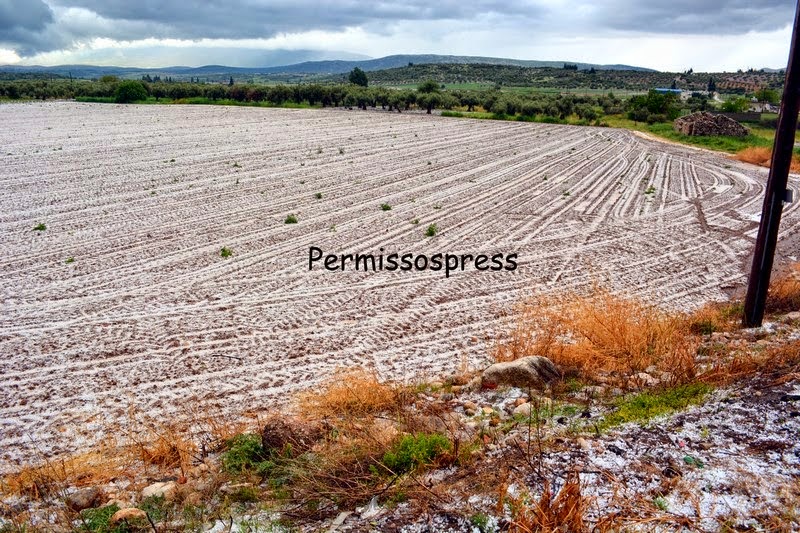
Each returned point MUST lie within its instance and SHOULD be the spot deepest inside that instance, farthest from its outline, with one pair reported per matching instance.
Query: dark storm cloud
(241, 19)
(712, 17)
(30, 26)
(22, 20)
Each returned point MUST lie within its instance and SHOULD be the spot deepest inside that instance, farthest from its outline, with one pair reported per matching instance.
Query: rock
(642, 379)
(301, 436)
(487, 410)
(704, 123)
(131, 514)
(520, 401)
(593, 391)
(456, 389)
(84, 499)
(523, 410)
(794, 316)
(166, 489)
(583, 443)
(472, 406)
(532, 371)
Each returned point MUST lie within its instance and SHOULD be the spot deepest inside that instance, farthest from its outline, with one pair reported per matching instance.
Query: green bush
(245, 453)
(414, 451)
(290, 219)
(130, 91)
(225, 252)
(97, 520)
(432, 230)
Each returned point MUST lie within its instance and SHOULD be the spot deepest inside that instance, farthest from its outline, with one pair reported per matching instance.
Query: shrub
(290, 219)
(386, 207)
(318, 196)
(225, 252)
(39, 227)
(431, 231)
(130, 91)
(414, 451)
(245, 453)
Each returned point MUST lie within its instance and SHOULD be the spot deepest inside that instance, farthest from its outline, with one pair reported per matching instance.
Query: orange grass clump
(351, 393)
(784, 291)
(602, 332)
(762, 156)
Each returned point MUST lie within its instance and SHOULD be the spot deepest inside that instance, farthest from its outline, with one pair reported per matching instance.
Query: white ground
(150, 317)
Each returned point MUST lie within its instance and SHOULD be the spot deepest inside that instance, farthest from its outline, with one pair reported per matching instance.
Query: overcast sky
(669, 35)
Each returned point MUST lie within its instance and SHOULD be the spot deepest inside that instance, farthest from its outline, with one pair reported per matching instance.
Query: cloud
(160, 32)
(22, 20)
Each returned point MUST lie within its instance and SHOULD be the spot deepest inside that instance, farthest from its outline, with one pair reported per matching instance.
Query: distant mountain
(304, 69)
(338, 67)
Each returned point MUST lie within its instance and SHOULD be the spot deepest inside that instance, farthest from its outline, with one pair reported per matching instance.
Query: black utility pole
(776, 187)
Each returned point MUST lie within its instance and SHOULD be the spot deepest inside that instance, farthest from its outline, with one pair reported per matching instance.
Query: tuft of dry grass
(351, 393)
(565, 512)
(784, 291)
(762, 156)
(601, 332)
(715, 317)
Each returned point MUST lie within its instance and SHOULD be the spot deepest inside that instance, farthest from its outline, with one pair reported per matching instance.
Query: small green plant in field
(172, 160)
(566, 193)
(429, 163)
(341, 151)
(39, 227)
(661, 503)
(237, 165)
(431, 231)
(386, 207)
(245, 454)
(415, 221)
(647, 405)
(414, 451)
(480, 521)
(318, 196)
(225, 252)
(693, 461)
(245, 494)
(70, 260)
(290, 219)
(98, 520)
(650, 190)
(437, 206)
(156, 507)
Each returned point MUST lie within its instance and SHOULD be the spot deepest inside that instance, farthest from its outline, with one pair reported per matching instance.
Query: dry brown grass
(762, 156)
(48, 480)
(602, 332)
(784, 291)
(565, 512)
(352, 393)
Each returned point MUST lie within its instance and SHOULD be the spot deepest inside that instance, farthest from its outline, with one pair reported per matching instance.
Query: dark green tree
(130, 91)
(358, 77)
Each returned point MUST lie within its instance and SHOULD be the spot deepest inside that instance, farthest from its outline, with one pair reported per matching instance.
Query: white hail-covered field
(149, 318)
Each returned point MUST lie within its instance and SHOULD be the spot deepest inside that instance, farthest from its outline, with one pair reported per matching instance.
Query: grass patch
(39, 227)
(290, 219)
(648, 405)
(225, 252)
(431, 230)
(600, 333)
(351, 393)
(784, 291)
(244, 454)
(762, 156)
(416, 451)
(98, 520)
(386, 207)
